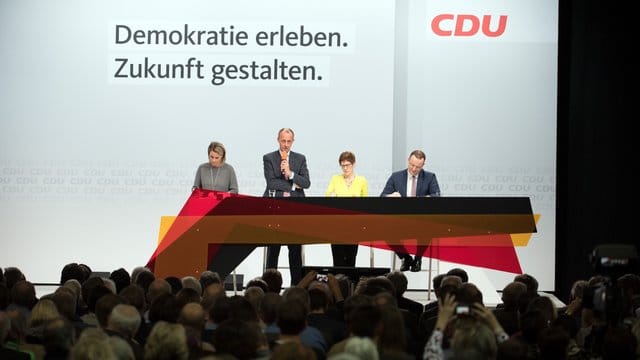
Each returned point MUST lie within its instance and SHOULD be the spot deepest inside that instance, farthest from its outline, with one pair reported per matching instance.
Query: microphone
(283, 158)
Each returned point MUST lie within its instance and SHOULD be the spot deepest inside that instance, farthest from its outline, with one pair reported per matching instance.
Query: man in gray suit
(287, 175)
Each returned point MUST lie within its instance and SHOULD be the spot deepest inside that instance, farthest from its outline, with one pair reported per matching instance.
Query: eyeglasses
(346, 165)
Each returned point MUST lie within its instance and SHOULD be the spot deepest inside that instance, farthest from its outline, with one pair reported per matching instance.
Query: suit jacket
(276, 180)
(427, 184)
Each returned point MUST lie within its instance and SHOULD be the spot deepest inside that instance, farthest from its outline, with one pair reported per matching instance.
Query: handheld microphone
(283, 158)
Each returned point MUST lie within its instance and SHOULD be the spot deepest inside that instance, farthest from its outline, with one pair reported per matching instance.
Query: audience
(145, 317)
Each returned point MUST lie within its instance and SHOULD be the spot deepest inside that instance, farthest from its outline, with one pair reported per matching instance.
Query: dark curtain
(595, 182)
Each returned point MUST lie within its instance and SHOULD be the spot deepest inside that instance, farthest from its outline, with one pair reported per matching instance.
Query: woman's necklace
(213, 181)
(349, 180)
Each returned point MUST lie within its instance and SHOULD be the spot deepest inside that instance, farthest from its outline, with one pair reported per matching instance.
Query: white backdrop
(92, 155)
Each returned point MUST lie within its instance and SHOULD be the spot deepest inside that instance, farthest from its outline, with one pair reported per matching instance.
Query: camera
(321, 277)
(463, 309)
(605, 297)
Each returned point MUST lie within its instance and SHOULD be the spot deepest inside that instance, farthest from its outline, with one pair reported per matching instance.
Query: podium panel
(216, 231)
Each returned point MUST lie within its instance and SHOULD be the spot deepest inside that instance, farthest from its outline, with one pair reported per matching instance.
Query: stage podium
(217, 231)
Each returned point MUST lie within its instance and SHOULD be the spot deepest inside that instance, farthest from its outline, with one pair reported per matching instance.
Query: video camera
(606, 298)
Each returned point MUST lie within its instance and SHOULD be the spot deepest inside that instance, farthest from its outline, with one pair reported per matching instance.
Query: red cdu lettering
(467, 25)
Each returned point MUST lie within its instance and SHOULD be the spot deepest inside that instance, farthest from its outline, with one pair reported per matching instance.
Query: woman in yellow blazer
(345, 185)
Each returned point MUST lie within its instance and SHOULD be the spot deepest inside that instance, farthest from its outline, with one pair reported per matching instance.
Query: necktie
(414, 186)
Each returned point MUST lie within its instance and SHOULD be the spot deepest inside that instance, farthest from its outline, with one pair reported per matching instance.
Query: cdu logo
(466, 25)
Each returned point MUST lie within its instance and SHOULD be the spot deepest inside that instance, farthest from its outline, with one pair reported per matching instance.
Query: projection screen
(107, 109)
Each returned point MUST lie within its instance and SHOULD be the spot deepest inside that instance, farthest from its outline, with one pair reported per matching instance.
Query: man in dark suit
(414, 181)
(286, 174)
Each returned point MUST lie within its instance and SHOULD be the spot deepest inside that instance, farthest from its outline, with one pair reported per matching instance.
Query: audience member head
(23, 294)
(461, 273)
(121, 348)
(240, 308)
(364, 320)
(76, 287)
(133, 295)
(167, 341)
(144, 279)
(530, 281)
(164, 308)
(346, 285)
(43, 311)
(111, 285)
(273, 278)
(577, 289)
(192, 315)
(65, 301)
(211, 294)
(362, 348)
(318, 300)
(209, 277)
(97, 292)
(237, 338)
(436, 281)
(18, 332)
(187, 295)
(399, 281)
(254, 295)
(293, 350)
(156, 288)
(469, 293)
(355, 301)
(298, 294)
(220, 310)
(292, 317)
(88, 285)
(473, 340)
(391, 337)
(545, 305)
(259, 283)
(454, 280)
(58, 335)
(269, 307)
(377, 284)
(136, 271)
(104, 306)
(449, 285)
(511, 294)
(193, 283)
(121, 278)
(86, 272)
(553, 343)
(385, 299)
(92, 344)
(71, 271)
(12, 275)
(175, 283)
(125, 320)
(532, 323)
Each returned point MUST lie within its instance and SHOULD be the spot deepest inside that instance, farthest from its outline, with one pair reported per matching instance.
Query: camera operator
(607, 304)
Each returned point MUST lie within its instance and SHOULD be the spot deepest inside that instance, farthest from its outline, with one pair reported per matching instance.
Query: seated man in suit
(413, 181)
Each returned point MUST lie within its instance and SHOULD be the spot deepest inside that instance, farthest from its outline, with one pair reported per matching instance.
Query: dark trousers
(295, 260)
(402, 253)
(344, 255)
